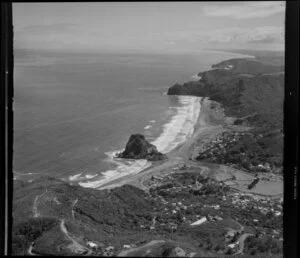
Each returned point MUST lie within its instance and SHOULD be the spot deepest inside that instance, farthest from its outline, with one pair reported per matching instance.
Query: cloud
(69, 35)
(231, 35)
(265, 34)
(246, 10)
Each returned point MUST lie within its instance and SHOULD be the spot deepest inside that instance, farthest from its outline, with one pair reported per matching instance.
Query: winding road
(30, 249)
(241, 240)
(35, 212)
(73, 205)
(75, 246)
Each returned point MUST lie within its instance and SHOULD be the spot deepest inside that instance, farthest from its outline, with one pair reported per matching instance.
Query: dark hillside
(41, 206)
(251, 91)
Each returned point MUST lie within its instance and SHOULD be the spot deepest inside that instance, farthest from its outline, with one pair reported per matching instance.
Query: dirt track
(75, 246)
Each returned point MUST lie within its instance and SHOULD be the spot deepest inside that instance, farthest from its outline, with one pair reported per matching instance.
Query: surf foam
(124, 167)
(90, 176)
(75, 177)
(181, 125)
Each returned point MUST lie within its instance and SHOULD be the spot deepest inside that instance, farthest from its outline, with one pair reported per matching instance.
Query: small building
(92, 244)
(126, 246)
(232, 245)
(277, 213)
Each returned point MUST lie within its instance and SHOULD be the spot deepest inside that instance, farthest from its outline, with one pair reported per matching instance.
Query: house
(232, 245)
(277, 213)
(91, 244)
(199, 222)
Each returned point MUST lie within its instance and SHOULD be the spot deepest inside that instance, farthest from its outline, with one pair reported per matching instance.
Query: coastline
(205, 129)
(175, 133)
(211, 122)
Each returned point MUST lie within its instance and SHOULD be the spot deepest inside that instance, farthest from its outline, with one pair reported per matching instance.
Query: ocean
(74, 111)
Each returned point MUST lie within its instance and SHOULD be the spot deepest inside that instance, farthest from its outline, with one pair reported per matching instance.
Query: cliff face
(138, 147)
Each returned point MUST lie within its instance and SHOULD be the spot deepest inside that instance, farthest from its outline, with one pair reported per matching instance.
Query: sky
(149, 26)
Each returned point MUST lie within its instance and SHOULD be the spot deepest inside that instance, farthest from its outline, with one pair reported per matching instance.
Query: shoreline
(205, 126)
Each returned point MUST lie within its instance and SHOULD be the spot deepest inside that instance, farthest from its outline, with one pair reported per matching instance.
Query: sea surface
(74, 111)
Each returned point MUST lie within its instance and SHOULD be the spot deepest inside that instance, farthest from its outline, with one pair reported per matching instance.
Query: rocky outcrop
(189, 88)
(138, 147)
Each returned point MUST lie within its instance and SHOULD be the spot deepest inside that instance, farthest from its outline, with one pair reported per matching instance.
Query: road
(241, 243)
(36, 214)
(75, 246)
(73, 205)
(30, 249)
(241, 239)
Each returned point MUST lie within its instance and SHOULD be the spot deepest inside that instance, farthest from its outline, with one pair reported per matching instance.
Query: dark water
(71, 111)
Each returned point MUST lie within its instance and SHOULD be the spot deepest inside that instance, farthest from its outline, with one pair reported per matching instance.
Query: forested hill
(252, 91)
(244, 87)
